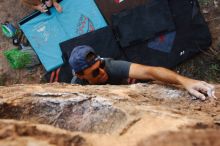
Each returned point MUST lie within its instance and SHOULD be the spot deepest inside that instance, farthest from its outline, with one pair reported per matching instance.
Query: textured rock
(138, 114)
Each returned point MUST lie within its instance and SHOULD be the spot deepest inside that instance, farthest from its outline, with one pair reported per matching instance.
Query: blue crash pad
(46, 32)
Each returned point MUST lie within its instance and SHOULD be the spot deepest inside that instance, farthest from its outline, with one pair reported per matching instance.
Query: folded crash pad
(101, 40)
(110, 7)
(190, 37)
(45, 32)
(143, 22)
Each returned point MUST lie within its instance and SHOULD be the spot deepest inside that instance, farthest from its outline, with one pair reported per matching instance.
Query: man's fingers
(59, 9)
(204, 89)
(197, 94)
(209, 89)
(209, 85)
(43, 11)
(213, 95)
(200, 89)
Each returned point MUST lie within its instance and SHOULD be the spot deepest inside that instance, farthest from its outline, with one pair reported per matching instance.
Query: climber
(89, 68)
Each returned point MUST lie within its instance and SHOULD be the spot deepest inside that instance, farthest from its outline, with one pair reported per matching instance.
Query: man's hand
(57, 6)
(41, 8)
(49, 3)
(200, 89)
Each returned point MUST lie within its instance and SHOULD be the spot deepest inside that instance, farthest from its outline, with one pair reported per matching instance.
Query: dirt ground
(13, 11)
(205, 66)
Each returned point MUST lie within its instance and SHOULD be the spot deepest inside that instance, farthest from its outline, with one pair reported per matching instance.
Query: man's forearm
(142, 72)
(167, 76)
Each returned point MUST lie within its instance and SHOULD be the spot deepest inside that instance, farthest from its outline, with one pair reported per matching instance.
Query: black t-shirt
(117, 70)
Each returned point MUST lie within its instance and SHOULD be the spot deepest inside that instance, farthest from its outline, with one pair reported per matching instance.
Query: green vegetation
(17, 59)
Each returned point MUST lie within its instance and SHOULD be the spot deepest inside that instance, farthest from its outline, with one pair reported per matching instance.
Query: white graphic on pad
(118, 1)
(42, 31)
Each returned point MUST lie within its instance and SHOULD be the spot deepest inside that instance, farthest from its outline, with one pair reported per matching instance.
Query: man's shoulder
(118, 70)
(118, 62)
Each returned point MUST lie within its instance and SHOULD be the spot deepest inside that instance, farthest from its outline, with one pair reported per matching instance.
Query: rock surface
(133, 115)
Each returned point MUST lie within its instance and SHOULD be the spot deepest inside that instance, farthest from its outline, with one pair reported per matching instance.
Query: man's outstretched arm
(196, 88)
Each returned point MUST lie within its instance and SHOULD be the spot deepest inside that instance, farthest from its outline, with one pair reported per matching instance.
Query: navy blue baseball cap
(78, 60)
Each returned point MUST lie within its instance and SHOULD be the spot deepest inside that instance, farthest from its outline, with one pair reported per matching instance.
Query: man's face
(95, 74)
